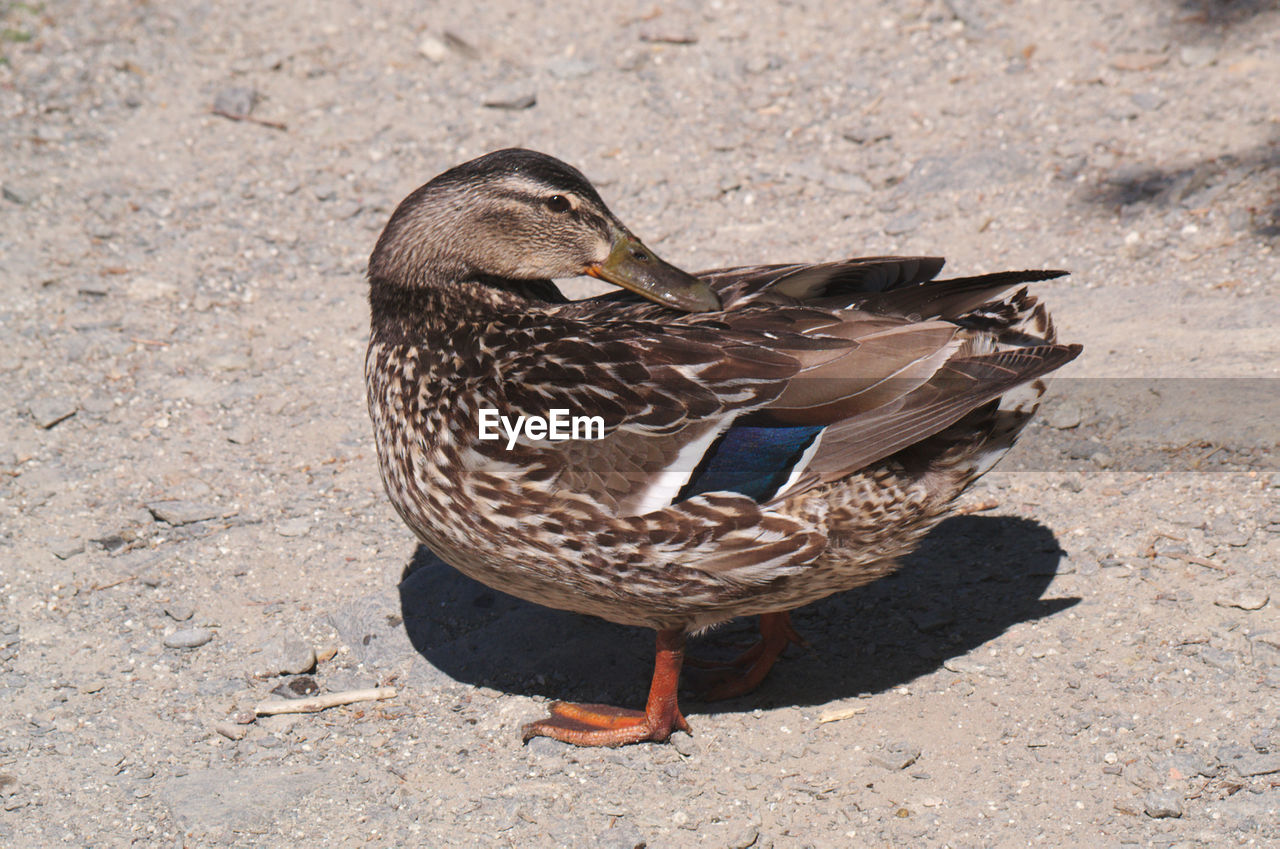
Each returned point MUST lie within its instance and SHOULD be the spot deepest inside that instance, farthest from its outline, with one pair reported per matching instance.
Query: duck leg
(602, 725)
(746, 671)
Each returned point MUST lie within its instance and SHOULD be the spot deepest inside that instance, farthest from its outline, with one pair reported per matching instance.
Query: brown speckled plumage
(916, 386)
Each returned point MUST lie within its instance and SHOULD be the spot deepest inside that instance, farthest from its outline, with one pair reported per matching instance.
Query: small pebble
(64, 548)
(745, 838)
(902, 225)
(1251, 765)
(48, 412)
(1197, 56)
(545, 746)
(183, 512)
(570, 69)
(230, 730)
(179, 612)
(433, 48)
(1245, 598)
(190, 638)
(1160, 804)
(1064, 416)
(684, 744)
(512, 97)
(296, 527)
(299, 688)
(286, 654)
(896, 756)
(236, 102)
(621, 834)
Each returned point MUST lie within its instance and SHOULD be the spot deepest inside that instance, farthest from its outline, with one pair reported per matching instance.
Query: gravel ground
(191, 514)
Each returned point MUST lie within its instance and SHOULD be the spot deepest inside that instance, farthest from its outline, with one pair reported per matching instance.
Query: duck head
(520, 215)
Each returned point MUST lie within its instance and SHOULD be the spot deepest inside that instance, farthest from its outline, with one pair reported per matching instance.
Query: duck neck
(414, 309)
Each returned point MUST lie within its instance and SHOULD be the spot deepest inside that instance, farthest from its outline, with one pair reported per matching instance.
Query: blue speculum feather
(753, 461)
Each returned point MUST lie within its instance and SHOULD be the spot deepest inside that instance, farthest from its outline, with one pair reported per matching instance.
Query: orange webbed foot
(603, 725)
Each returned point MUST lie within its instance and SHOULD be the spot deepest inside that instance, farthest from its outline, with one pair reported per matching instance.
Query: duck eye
(558, 203)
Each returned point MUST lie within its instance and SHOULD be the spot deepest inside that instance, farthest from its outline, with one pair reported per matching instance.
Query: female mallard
(767, 436)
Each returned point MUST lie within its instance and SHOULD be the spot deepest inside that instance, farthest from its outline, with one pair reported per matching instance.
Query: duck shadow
(968, 582)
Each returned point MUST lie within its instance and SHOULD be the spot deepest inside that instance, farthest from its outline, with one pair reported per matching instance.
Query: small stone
(684, 744)
(296, 527)
(179, 612)
(758, 63)
(1064, 416)
(896, 756)
(13, 195)
(298, 688)
(286, 654)
(1148, 100)
(545, 747)
(113, 542)
(1251, 765)
(1190, 763)
(183, 512)
(902, 224)
(514, 97)
(1244, 598)
(433, 48)
(48, 412)
(1160, 804)
(620, 835)
(236, 102)
(1226, 531)
(930, 801)
(745, 838)
(963, 665)
(1198, 56)
(230, 730)
(570, 69)
(65, 548)
(189, 638)
(240, 435)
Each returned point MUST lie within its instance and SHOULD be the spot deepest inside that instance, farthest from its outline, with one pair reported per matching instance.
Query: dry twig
(315, 704)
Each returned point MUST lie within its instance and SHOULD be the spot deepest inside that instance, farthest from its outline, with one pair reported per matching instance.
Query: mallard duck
(765, 436)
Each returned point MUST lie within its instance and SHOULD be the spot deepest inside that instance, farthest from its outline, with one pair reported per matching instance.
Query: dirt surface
(190, 503)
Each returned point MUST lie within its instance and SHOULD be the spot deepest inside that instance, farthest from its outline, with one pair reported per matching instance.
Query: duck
(755, 438)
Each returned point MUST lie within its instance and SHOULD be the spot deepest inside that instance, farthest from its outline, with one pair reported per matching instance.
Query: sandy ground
(190, 504)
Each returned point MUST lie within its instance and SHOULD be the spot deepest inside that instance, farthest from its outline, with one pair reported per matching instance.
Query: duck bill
(633, 266)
